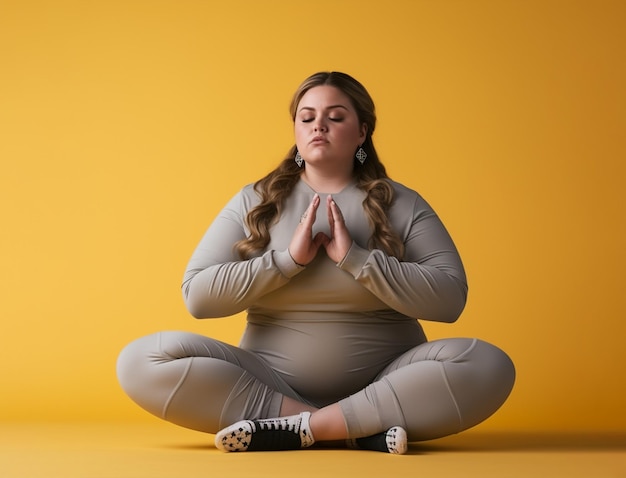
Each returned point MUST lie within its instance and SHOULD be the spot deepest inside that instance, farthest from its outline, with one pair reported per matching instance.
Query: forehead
(324, 96)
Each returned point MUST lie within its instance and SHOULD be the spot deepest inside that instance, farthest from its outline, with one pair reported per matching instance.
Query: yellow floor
(155, 450)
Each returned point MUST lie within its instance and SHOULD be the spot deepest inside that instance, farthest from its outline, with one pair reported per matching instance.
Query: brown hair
(371, 176)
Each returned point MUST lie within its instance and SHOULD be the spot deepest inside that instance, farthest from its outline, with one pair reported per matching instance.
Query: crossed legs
(435, 389)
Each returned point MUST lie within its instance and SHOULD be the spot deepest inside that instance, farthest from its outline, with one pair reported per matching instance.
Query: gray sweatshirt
(329, 328)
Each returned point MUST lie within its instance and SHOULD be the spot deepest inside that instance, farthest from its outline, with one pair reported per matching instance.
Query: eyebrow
(310, 108)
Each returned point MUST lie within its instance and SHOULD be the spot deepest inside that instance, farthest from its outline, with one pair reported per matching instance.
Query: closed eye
(310, 120)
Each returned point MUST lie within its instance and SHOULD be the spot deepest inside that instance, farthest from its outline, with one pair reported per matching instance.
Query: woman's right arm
(217, 283)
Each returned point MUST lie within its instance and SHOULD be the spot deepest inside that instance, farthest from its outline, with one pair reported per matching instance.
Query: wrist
(295, 261)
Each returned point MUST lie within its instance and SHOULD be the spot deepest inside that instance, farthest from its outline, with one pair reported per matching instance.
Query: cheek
(351, 136)
(299, 134)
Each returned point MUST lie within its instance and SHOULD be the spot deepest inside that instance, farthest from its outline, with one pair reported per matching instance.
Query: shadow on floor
(499, 442)
(526, 441)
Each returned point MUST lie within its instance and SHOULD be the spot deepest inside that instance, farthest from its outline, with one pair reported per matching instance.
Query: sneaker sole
(235, 437)
(397, 441)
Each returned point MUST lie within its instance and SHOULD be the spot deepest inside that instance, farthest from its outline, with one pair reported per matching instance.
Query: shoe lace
(279, 424)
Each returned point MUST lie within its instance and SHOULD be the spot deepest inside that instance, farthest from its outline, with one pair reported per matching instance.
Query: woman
(334, 263)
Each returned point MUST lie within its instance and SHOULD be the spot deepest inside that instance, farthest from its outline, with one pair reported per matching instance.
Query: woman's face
(327, 128)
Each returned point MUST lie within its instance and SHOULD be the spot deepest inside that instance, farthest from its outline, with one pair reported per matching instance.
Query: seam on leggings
(177, 387)
(398, 406)
(456, 405)
(461, 355)
(234, 392)
(447, 382)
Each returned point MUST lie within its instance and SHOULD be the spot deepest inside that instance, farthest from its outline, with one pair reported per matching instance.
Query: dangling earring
(361, 155)
(298, 159)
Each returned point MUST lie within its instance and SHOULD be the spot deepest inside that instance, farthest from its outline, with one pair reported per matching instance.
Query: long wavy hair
(371, 176)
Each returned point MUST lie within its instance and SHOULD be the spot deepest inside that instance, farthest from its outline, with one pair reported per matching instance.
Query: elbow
(196, 310)
(456, 306)
(195, 305)
(197, 313)
(190, 304)
(451, 305)
(453, 314)
(448, 313)
(203, 308)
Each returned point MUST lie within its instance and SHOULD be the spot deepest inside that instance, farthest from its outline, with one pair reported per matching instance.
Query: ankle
(328, 424)
(270, 434)
(393, 441)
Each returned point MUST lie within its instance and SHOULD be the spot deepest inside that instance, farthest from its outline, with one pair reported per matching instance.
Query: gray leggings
(435, 389)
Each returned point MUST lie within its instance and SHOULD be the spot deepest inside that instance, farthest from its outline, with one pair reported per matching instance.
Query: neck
(326, 183)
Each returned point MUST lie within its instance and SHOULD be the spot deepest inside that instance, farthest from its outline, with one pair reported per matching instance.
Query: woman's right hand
(303, 246)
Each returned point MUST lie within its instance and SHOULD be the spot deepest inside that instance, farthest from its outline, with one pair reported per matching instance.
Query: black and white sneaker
(392, 441)
(270, 434)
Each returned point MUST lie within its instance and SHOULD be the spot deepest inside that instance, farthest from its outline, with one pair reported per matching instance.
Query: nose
(320, 125)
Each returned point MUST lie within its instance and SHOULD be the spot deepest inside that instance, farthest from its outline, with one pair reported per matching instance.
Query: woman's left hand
(340, 241)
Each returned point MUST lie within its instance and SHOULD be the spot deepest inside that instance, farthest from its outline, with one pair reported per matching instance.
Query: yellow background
(126, 125)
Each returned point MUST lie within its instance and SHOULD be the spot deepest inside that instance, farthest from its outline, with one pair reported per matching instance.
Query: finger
(335, 212)
(321, 239)
(330, 214)
(308, 217)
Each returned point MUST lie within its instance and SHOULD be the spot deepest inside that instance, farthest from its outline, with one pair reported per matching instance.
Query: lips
(319, 140)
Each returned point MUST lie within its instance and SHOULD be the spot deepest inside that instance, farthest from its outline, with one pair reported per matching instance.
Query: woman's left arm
(429, 282)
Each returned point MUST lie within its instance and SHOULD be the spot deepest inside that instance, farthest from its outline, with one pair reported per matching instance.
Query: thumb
(321, 239)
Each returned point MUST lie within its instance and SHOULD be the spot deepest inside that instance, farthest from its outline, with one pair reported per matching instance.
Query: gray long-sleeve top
(428, 283)
(328, 328)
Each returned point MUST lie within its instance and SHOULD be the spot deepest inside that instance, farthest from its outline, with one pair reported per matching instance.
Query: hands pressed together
(304, 246)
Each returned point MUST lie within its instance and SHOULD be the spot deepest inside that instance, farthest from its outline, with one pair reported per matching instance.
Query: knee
(133, 363)
(480, 361)
(147, 372)
(497, 365)
(158, 348)
(484, 384)
(152, 368)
